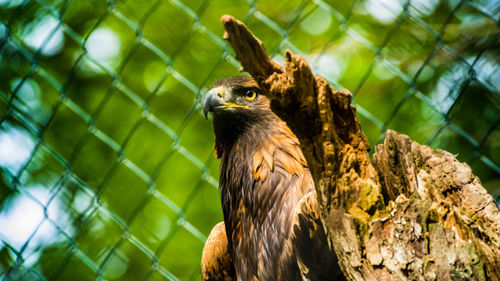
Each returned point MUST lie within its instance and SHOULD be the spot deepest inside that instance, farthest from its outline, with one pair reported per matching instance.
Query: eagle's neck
(241, 131)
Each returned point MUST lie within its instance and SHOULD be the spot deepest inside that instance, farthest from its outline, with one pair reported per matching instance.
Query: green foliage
(106, 159)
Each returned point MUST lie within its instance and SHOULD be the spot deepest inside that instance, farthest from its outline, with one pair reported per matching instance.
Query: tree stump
(415, 213)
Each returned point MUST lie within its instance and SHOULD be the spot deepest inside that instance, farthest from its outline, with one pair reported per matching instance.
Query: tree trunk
(416, 213)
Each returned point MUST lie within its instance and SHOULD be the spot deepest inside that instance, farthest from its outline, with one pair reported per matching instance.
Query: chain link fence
(106, 161)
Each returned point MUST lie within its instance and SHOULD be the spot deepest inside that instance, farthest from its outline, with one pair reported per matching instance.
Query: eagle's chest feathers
(261, 184)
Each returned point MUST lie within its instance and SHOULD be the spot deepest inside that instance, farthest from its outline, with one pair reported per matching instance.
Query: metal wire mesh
(107, 168)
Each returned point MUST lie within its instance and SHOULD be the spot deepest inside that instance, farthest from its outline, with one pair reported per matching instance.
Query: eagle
(271, 228)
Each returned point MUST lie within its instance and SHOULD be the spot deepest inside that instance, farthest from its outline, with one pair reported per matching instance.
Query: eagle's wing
(315, 259)
(216, 262)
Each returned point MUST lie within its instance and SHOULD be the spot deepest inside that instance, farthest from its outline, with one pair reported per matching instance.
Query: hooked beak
(212, 100)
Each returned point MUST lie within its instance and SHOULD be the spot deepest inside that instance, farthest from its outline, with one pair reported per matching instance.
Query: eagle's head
(239, 110)
(237, 96)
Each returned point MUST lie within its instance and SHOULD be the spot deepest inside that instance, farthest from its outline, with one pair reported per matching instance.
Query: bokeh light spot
(46, 35)
(316, 23)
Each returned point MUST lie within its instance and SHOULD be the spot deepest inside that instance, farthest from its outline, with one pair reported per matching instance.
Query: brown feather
(314, 257)
(267, 154)
(216, 262)
(257, 163)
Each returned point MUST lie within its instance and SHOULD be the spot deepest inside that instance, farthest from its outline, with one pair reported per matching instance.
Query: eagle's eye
(250, 95)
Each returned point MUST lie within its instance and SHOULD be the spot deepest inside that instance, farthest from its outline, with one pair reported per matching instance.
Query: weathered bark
(416, 213)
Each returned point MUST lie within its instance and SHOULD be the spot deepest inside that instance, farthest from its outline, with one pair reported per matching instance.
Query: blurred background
(106, 166)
